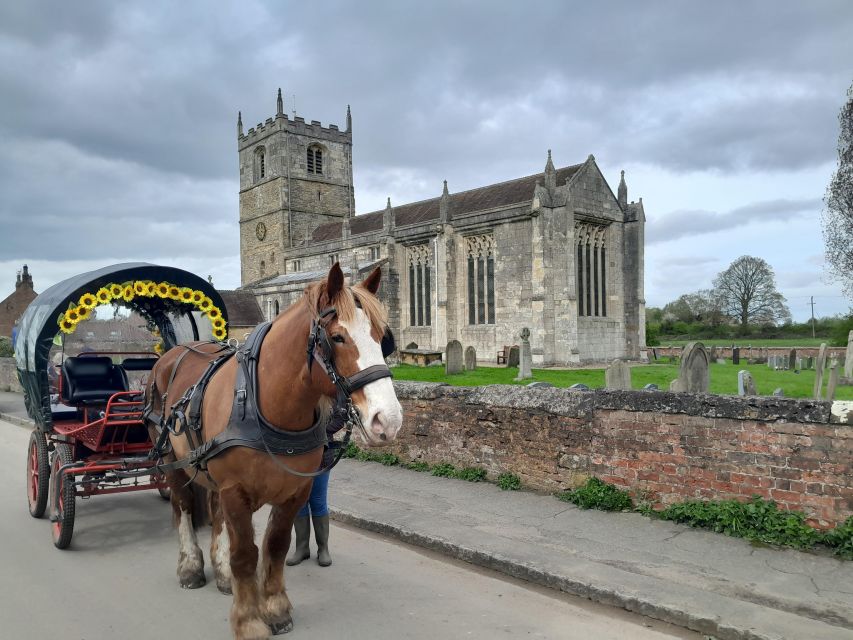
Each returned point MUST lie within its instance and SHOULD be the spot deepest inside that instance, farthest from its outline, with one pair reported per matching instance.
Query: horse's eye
(339, 339)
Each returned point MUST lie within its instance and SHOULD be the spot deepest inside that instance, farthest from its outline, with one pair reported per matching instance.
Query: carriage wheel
(62, 514)
(38, 474)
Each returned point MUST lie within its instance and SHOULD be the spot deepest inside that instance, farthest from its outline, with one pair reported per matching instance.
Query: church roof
(502, 194)
(242, 307)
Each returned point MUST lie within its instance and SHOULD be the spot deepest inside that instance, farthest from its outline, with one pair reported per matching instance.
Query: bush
(6, 350)
(840, 539)
(841, 331)
(471, 474)
(597, 494)
(444, 470)
(652, 335)
(509, 482)
(416, 466)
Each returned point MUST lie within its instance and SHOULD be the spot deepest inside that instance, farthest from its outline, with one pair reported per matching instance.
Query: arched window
(260, 163)
(420, 294)
(315, 160)
(591, 260)
(481, 279)
(275, 307)
(263, 267)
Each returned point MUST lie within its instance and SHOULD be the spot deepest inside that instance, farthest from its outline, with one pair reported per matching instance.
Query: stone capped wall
(663, 447)
(9, 376)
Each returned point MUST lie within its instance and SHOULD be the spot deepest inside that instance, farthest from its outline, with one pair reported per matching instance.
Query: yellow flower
(116, 290)
(218, 323)
(128, 293)
(213, 313)
(84, 313)
(197, 297)
(140, 288)
(219, 334)
(163, 289)
(72, 315)
(88, 301)
(174, 292)
(150, 288)
(205, 303)
(186, 294)
(104, 295)
(158, 348)
(66, 325)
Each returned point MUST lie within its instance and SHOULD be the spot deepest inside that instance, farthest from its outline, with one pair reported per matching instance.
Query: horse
(292, 394)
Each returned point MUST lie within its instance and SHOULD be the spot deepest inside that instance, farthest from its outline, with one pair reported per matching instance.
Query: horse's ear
(334, 282)
(371, 282)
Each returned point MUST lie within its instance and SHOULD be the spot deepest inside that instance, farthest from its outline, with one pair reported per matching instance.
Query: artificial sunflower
(139, 288)
(219, 334)
(88, 301)
(66, 325)
(213, 313)
(205, 304)
(116, 290)
(150, 288)
(218, 323)
(128, 293)
(198, 296)
(103, 295)
(186, 294)
(174, 292)
(163, 289)
(72, 315)
(84, 313)
(158, 348)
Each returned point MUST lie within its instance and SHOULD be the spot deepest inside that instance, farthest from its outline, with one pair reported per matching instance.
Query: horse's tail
(201, 516)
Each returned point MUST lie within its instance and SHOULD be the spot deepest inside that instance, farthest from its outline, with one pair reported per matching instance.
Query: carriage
(90, 437)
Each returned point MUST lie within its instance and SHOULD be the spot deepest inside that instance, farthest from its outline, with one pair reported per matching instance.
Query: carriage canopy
(180, 305)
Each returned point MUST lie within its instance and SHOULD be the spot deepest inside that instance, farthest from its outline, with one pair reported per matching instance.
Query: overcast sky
(118, 120)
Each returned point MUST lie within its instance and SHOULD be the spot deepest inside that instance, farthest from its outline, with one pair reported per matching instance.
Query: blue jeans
(318, 500)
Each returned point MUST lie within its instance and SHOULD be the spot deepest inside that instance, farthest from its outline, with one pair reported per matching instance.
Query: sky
(118, 120)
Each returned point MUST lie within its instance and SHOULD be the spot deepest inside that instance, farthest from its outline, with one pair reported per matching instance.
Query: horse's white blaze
(383, 414)
(191, 558)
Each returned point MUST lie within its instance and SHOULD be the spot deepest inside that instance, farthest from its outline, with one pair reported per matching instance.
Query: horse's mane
(345, 303)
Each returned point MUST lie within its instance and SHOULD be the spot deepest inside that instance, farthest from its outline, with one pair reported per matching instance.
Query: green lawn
(745, 342)
(723, 378)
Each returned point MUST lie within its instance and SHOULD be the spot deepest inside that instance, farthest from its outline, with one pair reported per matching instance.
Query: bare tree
(747, 291)
(837, 216)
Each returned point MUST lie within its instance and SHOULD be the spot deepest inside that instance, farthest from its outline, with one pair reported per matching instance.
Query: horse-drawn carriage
(90, 437)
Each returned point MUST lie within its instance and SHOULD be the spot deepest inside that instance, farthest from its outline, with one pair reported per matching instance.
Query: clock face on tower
(261, 231)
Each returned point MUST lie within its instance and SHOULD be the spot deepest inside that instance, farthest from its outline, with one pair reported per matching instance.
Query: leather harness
(247, 427)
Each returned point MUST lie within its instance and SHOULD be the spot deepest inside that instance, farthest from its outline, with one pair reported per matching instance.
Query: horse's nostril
(382, 436)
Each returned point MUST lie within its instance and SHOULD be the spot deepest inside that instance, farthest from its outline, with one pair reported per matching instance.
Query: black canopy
(38, 325)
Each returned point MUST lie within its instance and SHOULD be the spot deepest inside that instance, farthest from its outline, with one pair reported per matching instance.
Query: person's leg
(320, 517)
(302, 527)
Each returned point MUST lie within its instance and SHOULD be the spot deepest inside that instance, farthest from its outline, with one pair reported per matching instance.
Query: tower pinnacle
(550, 173)
(622, 193)
(279, 105)
(349, 119)
(239, 124)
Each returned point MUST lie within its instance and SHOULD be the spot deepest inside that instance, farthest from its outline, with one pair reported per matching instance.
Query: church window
(481, 279)
(315, 160)
(373, 253)
(295, 265)
(260, 163)
(275, 308)
(420, 289)
(263, 267)
(591, 260)
(333, 258)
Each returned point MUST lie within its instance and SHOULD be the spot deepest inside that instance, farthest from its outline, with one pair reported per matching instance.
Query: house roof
(243, 309)
(494, 196)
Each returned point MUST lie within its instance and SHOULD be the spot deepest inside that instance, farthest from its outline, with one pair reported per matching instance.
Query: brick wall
(664, 447)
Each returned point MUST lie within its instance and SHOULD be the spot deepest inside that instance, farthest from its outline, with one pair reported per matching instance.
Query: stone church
(556, 251)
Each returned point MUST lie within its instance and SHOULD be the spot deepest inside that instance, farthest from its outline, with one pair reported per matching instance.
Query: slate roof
(502, 194)
(243, 309)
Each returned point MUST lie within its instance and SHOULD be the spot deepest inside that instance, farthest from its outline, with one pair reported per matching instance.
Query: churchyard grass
(746, 342)
(723, 378)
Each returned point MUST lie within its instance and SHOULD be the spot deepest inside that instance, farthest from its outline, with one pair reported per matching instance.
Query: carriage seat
(91, 380)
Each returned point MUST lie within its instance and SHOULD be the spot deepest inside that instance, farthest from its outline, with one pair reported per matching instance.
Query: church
(556, 251)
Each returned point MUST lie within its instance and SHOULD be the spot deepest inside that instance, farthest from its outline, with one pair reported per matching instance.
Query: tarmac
(723, 587)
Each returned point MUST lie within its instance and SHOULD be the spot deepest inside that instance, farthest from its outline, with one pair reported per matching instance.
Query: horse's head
(355, 335)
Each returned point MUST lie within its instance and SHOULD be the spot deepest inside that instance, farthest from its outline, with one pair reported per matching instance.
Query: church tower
(294, 177)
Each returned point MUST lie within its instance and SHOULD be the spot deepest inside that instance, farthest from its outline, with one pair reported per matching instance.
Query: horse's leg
(246, 621)
(275, 605)
(220, 548)
(191, 560)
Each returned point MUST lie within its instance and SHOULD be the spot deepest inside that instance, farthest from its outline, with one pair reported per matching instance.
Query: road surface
(118, 581)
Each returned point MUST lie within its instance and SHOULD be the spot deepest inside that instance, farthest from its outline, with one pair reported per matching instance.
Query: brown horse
(290, 395)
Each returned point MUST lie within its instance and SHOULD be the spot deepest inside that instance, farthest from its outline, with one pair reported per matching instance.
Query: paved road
(118, 581)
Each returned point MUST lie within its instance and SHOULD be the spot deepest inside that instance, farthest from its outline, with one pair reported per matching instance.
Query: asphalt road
(118, 581)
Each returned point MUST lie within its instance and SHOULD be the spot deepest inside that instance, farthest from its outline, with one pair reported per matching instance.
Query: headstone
(820, 365)
(833, 382)
(525, 363)
(454, 358)
(777, 392)
(677, 385)
(694, 374)
(512, 358)
(651, 387)
(745, 383)
(412, 345)
(722, 361)
(848, 358)
(470, 359)
(618, 375)
(539, 385)
(792, 359)
(579, 386)
(713, 354)
(735, 355)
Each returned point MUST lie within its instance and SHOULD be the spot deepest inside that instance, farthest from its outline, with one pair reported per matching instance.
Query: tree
(747, 291)
(700, 306)
(837, 218)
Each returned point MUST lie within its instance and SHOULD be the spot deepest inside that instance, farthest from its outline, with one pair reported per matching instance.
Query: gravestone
(651, 387)
(735, 355)
(470, 359)
(454, 358)
(713, 355)
(579, 386)
(412, 345)
(820, 365)
(833, 382)
(745, 384)
(778, 393)
(512, 358)
(618, 375)
(525, 363)
(694, 375)
(848, 358)
(539, 385)
(721, 361)
(792, 359)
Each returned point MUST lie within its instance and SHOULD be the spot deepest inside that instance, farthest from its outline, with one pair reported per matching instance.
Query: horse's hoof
(193, 581)
(279, 628)
(224, 587)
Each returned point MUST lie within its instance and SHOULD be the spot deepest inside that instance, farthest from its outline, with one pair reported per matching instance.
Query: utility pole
(812, 304)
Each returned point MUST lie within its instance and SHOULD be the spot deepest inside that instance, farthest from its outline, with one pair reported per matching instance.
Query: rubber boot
(321, 535)
(301, 550)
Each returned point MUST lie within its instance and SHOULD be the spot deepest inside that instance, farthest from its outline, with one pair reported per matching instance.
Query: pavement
(724, 587)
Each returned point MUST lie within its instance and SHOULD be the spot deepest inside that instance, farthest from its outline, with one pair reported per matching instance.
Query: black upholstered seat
(91, 380)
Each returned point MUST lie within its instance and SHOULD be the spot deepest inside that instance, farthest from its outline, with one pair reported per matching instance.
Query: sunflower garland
(126, 292)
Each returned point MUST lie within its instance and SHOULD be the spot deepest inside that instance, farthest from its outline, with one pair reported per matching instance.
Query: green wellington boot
(301, 551)
(321, 535)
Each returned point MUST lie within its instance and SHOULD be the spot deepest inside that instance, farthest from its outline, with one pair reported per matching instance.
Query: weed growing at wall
(444, 470)
(840, 539)
(509, 482)
(471, 474)
(596, 494)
